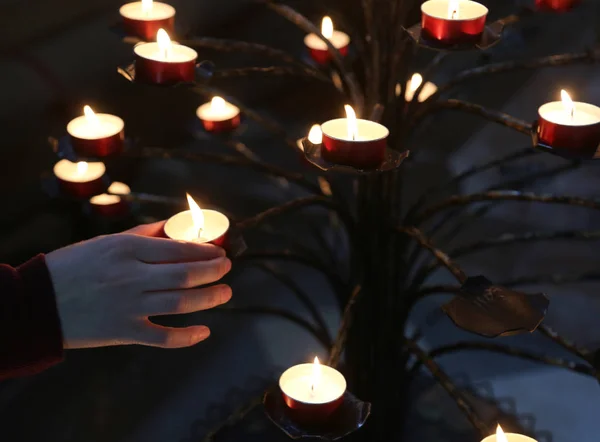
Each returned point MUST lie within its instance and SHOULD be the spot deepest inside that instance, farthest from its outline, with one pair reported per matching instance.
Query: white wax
(112, 197)
(510, 437)
(467, 10)
(158, 11)
(296, 382)
(106, 126)
(339, 40)
(584, 115)
(176, 54)
(207, 112)
(68, 171)
(181, 226)
(367, 130)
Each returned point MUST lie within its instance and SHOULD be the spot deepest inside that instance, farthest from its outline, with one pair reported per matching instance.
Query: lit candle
(413, 84)
(501, 436)
(164, 62)
(96, 135)
(198, 225)
(453, 22)
(354, 142)
(556, 5)
(315, 136)
(111, 204)
(144, 18)
(312, 391)
(218, 115)
(318, 48)
(570, 126)
(81, 179)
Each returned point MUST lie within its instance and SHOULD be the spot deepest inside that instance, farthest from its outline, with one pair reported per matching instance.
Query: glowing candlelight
(316, 375)
(197, 215)
(82, 168)
(352, 124)
(567, 103)
(147, 6)
(327, 27)
(453, 22)
(413, 84)
(453, 9)
(164, 43)
(197, 225)
(90, 116)
(318, 48)
(144, 18)
(218, 115)
(315, 135)
(501, 436)
(80, 179)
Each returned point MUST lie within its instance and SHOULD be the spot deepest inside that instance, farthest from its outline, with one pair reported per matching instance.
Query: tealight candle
(144, 18)
(96, 135)
(198, 225)
(556, 5)
(111, 204)
(413, 84)
(218, 115)
(354, 142)
(570, 126)
(318, 48)
(312, 392)
(81, 179)
(315, 136)
(501, 436)
(164, 62)
(453, 22)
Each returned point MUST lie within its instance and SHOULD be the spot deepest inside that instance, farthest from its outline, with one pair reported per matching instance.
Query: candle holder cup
(556, 5)
(197, 75)
(566, 141)
(63, 147)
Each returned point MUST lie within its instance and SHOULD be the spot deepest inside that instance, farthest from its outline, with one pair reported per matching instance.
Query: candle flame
(164, 42)
(197, 215)
(315, 135)
(82, 168)
(90, 116)
(316, 374)
(327, 27)
(217, 105)
(453, 9)
(500, 436)
(146, 6)
(567, 103)
(415, 82)
(352, 123)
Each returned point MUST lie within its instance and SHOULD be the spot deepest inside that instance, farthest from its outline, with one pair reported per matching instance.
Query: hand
(108, 286)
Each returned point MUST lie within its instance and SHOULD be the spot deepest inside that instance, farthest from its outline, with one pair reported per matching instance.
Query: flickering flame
(327, 27)
(146, 6)
(90, 116)
(164, 42)
(567, 103)
(453, 9)
(217, 105)
(415, 82)
(352, 124)
(82, 168)
(500, 436)
(197, 215)
(316, 375)
(315, 135)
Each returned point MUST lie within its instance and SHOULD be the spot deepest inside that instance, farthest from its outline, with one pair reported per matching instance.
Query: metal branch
(270, 70)
(342, 335)
(564, 343)
(509, 351)
(475, 109)
(505, 195)
(444, 380)
(441, 257)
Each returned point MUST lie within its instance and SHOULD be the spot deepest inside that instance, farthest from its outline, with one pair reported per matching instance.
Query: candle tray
(312, 153)
(204, 72)
(564, 153)
(348, 418)
(490, 310)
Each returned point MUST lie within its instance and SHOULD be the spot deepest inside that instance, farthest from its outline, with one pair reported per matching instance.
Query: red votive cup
(578, 133)
(219, 116)
(452, 22)
(153, 65)
(318, 49)
(144, 22)
(80, 180)
(312, 398)
(111, 204)
(181, 227)
(556, 5)
(366, 151)
(96, 135)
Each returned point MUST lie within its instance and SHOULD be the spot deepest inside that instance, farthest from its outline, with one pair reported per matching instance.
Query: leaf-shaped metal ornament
(348, 418)
(490, 310)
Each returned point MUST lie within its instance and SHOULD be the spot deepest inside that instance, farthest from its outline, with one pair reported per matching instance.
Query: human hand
(108, 286)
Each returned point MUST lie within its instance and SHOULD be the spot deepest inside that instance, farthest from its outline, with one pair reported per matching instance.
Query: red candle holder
(152, 66)
(556, 5)
(579, 134)
(142, 23)
(99, 138)
(111, 204)
(219, 116)
(367, 151)
(319, 51)
(452, 22)
(80, 182)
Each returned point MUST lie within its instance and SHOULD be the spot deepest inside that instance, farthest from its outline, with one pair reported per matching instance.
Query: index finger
(163, 250)
(153, 229)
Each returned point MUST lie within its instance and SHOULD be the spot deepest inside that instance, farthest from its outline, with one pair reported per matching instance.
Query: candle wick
(200, 233)
(453, 14)
(573, 112)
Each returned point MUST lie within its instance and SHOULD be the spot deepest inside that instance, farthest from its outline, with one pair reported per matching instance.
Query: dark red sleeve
(30, 331)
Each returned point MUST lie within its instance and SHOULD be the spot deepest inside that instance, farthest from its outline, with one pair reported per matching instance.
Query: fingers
(185, 301)
(167, 337)
(154, 229)
(162, 250)
(186, 275)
